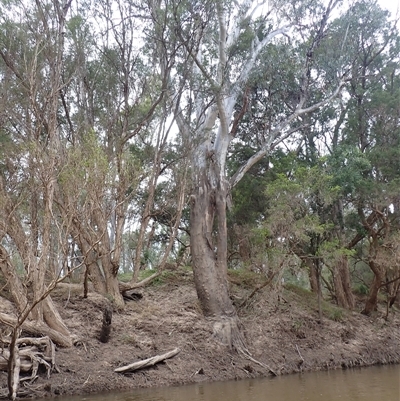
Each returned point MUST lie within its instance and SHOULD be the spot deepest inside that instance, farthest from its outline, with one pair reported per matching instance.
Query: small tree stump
(106, 327)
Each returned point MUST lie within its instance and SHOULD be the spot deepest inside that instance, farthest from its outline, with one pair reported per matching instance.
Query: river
(378, 383)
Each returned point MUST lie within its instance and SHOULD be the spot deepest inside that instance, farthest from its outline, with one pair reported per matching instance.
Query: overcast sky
(392, 5)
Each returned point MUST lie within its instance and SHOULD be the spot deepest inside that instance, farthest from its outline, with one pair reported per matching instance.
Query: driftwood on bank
(147, 362)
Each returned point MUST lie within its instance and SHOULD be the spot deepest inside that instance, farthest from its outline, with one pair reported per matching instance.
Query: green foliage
(301, 291)
(86, 170)
(354, 37)
(125, 277)
(240, 49)
(167, 276)
(244, 277)
(303, 199)
(309, 300)
(333, 312)
(332, 251)
(297, 202)
(360, 289)
(296, 277)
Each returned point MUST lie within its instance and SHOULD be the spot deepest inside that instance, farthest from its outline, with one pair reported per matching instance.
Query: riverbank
(280, 325)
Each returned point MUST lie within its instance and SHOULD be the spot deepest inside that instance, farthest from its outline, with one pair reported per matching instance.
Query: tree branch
(273, 137)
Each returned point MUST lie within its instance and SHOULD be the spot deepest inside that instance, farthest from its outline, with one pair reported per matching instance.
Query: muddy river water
(367, 384)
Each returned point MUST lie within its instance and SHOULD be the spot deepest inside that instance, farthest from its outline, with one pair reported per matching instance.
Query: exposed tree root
(227, 332)
(32, 352)
(25, 355)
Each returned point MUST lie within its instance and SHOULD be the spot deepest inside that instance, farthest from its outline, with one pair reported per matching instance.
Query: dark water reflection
(367, 384)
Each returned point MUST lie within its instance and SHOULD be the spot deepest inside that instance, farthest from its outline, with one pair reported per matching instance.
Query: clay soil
(281, 328)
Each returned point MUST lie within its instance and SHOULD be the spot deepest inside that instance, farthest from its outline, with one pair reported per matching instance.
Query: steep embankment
(281, 329)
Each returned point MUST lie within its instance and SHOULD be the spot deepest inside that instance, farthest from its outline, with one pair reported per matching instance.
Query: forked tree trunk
(104, 280)
(208, 206)
(90, 260)
(95, 274)
(215, 126)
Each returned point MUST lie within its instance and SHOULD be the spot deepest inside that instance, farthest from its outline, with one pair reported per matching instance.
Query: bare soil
(281, 328)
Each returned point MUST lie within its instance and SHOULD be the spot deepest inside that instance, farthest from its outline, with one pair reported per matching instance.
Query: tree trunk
(90, 260)
(372, 300)
(344, 272)
(341, 274)
(312, 274)
(112, 284)
(95, 274)
(342, 284)
(45, 311)
(53, 318)
(209, 260)
(339, 290)
(319, 291)
(394, 292)
(243, 242)
(14, 283)
(209, 273)
(375, 232)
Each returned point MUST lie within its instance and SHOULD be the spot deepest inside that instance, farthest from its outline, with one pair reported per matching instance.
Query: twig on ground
(298, 351)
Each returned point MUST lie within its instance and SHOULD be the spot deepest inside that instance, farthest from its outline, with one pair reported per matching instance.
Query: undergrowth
(309, 300)
(244, 278)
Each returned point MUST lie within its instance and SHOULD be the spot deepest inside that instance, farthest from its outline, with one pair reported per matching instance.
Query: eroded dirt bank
(281, 330)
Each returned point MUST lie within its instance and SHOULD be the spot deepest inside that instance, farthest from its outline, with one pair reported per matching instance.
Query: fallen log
(39, 329)
(147, 362)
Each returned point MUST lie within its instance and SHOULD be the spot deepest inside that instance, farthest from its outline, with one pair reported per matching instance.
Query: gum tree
(222, 46)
